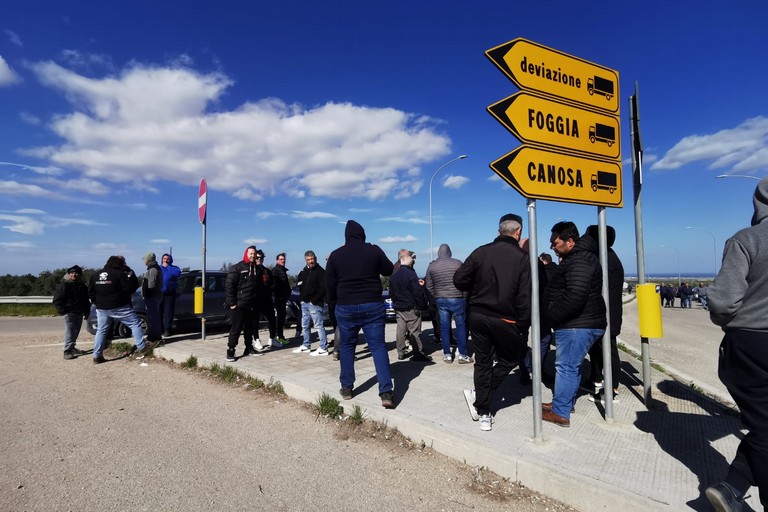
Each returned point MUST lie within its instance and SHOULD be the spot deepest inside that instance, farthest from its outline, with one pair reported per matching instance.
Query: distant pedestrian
(311, 282)
(408, 301)
(497, 277)
(282, 292)
(71, 302)
(152, 292)
(738, 302)
(353, 281)
(576, 309)
(171, 275)
(450, 302)
(110, 290)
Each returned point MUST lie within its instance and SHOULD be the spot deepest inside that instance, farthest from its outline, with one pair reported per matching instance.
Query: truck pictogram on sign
(604, 180)
(603, 133)
(600, 85)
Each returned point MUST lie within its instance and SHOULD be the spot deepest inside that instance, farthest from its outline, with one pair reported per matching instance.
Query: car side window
(181, 285)
(211, 283)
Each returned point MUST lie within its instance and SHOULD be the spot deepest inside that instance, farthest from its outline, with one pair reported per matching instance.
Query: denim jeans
(370, 318)
(153, 318)
(315, 313)
(124, 314)
(544, 343)
(72, 324)
(572, 347)
(458, 309)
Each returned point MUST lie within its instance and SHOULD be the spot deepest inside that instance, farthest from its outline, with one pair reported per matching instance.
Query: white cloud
(256, 241)
(455, 181)
(81, 60)
(312, 215)
(109, 246)
(26, 211)
(48, 170)
(152, 123)
(160, 241)
(406, 220)
(29, 118)
(84, 185)
(23, 225)
(13, 37)
(16, 188)
(7, 75)
(17, 245)
(397, 239)
(743, 148)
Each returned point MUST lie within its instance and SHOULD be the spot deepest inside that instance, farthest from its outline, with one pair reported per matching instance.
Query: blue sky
(302, 115)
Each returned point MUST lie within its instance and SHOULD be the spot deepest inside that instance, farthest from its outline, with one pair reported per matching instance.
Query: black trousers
(743, 368)
(493, 336)
(596, 362)
(243, 317)
(280, 316)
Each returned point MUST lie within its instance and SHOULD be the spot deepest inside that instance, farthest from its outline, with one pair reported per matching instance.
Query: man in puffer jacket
(246, 282)
(71, 301)
(576, 310)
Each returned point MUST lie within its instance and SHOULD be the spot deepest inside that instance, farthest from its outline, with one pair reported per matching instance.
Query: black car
(293, 310)
(184, 318)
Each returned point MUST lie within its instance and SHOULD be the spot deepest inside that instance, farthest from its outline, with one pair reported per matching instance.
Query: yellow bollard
(649, 310)
(198, 300)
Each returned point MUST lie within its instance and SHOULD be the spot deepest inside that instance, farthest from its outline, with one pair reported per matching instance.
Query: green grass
(328, 406)
(276, 387)
(254, 382)
(229, 374)
(27, 310)
(121, 347)
(358, 415)
(191, 362)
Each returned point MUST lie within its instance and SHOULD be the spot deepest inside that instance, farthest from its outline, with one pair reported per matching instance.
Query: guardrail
(29, 299)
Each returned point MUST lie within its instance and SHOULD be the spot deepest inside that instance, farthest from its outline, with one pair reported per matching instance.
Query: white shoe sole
(469, 396)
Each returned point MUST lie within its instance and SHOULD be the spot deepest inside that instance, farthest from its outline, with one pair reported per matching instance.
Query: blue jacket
(405, 290)
(171, 274)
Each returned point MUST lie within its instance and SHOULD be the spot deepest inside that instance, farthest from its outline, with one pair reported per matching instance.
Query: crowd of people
(487, 296)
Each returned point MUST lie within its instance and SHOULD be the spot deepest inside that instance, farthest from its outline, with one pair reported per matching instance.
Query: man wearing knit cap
(738, 302)
(71, 301)
(152, 291)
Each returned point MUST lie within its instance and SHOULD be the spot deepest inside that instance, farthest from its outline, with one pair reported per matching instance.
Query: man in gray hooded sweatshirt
(738, 302)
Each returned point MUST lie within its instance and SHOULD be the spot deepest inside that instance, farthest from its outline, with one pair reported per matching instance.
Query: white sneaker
(302, 349)
(448, 358)
(469, 396)
(318, 352)
(486, 422)
(257, 345)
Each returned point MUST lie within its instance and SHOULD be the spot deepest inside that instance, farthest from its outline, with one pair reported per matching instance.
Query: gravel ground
(129, 435)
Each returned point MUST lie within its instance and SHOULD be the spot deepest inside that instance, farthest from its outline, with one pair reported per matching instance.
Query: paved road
(689, 347)
(131, 436)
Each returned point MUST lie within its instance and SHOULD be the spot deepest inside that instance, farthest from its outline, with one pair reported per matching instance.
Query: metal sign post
(533, 254)
(202, 213)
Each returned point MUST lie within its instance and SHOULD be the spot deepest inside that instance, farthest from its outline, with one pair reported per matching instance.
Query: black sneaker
(421, 357)
(76, 351)
(403, 355)
(388, 400)
(346, 393)
(231, 355)
(99, 360)
(69, 354)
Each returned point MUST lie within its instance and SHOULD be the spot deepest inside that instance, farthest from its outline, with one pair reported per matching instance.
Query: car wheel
(124, 332)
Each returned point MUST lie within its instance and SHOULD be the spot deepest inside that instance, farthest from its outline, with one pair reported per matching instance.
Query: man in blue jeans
(353, 283)
(311, 283)
(576, 311)
(110, 290)
(450, 303)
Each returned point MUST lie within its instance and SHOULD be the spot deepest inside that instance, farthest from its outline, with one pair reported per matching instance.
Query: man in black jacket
(311, 282)
(498, 279)
(615, 291)
(576, 311)
(71, 301)
(282, 292)
(246, 282)
(110, 290)
(408, 301)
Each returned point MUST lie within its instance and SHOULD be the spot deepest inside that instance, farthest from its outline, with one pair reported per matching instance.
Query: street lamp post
(431, 245)
(714, 243)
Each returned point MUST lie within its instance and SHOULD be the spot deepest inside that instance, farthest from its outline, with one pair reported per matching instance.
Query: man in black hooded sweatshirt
(353, 282)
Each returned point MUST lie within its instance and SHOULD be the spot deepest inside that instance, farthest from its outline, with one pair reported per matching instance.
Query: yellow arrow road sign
(536, 67)
(539, 120)
(541, 174)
